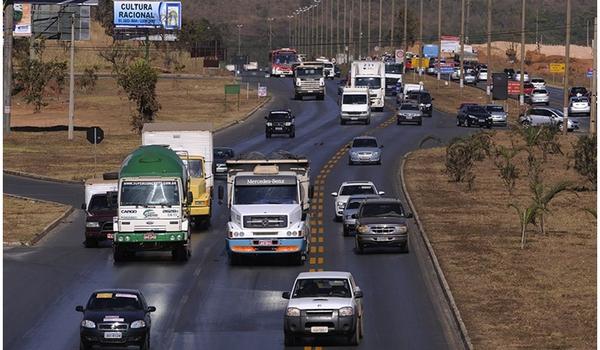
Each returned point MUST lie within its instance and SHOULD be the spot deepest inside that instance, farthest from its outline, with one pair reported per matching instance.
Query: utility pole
(331, 47)
(239, 27)
(270, 20)
(462, 43)
(404, 39)
(7, 65)
(369, 28)
(72, 80)
(566, 80)
(380, 14)
(345, 33)
(337, 27)
(489, 51)
(594, 109)
(537, 15)
(290, 30)
(420, 35)
(392, 24)
(360, 31)
(587, 33)
(439, 73)
(467, 21)
(351, 34)
(522, 75)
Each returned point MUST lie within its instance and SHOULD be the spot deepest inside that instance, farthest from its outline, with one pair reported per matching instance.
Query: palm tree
(543, 195)
(526, 217)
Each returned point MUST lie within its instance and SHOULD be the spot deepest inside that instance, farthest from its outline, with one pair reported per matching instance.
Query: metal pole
(522, 75)
(369, 28)
(420, 35)
(566, 80)
(239, 27)
(392, 24)
(404, 40)
(587, 33)
(345, 32)
(72, 80)
(337, 27)
(594, 109)
(360, 31)
(351, 34)
(331, 48)
(489, 51)
(7, 65)
(439, 74)
(380, 14)
(467, 21)
(462, 43)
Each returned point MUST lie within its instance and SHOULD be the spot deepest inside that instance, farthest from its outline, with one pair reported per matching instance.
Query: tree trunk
(542, 223)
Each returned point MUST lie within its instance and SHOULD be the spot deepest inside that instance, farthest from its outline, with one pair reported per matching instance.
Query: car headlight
(88, 324)
(321, 81)
(354, 153)
(428, 105)
(362, 229)
(138, 324)
(292, 312)
(402, 229)
(472, 116)
(340, 204)
(269, 124)
(92, 224)
(346, 311)
(287, 124)
(375, 154)
(298, 82)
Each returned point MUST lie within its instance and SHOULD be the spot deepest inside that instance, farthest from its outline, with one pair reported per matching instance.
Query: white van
(355, 105)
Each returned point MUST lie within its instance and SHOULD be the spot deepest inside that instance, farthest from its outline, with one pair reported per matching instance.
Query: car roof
(276, 111)
(383, 200)
(362, 196)
(346, 183)
(222, 148)
(493, 105)
(364, 137)
(118, 290)
(324, 274)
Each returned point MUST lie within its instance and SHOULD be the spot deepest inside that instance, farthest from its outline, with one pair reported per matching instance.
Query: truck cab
(370, 74)
(268, 199)
(355, 105)
(309, 80)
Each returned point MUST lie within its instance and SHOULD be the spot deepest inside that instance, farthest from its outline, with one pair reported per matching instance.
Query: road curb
(41, 177)
(252, 111)
(464, 336)
(46, 229)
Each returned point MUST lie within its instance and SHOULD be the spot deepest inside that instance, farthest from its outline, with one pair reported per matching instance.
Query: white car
(538, 83)
(539, 96)
(537, 116)
(352, 188)
(323, 303)
(499, 115)
(579, 105)
(482, 75)
(517, 76)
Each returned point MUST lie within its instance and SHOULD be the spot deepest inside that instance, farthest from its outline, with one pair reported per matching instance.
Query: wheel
(354, 338)
(368, 121)
(119, 254)
(397, 121)
(297, 259)
(91, 243)
(547, 103)
(458, 123)
(293, 134)
(268, 135)
(358, 247)
(289, 339)
(346, 231)
(350, 162)
(146, 344)
(321, 97)
(342, 122)
(83, 345)
(468, 123)
(234, 259)
(489, 126)
(420, 122)
(181, 253)
(362, 329)
(404, 248)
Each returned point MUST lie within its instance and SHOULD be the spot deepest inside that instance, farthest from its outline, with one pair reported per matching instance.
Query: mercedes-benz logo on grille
(265, 222)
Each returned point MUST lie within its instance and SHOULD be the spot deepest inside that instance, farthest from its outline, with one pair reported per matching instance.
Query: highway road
(207, 304)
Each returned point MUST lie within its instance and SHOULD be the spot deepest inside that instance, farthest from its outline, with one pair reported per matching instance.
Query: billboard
(22, 20)
(147, 14)
(54, 21)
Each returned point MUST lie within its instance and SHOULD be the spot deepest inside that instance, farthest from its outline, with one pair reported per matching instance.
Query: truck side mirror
(358, 293)
(334, 194)
(311, 191)
(190, 197)
(83, 206)
(220, 194)
(151, 309)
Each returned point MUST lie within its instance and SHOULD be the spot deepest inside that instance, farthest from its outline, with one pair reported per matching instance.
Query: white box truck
(194, 144)
(370, 74)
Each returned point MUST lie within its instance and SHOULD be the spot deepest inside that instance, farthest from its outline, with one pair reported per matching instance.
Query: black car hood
(106, 316)
(101, 215)
(388, 220)
(481, 115)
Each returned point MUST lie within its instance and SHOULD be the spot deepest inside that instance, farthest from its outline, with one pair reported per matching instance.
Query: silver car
(499, 115)
(538, 83)
(409, 113)
(539, 96)
(579, 105)
(352, 188)
(321, 304)
(547, 116)
(364, 149)
(352, 208)
(381, 222)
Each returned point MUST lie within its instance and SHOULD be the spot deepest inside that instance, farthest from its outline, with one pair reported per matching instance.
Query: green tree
(34, 77)
(585, 157)
(138, 80)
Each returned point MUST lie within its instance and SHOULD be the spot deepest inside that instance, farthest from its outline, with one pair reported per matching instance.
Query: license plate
(113, 335)
(265, 243)
(353, 118)
(482, 120)
(310, 91)
(282, 76)
(149, 236)
(409, 117)
(109, 236)
(315, 329)
(278, 128)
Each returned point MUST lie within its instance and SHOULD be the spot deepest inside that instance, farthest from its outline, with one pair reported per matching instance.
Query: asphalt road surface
(207, 304)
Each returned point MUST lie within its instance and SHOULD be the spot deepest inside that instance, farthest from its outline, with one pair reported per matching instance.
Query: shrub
(88, 80)
(461, 154)
(138, 80)
(585, 157)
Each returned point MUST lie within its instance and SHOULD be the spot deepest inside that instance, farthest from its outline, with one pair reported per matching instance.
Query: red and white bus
(282, 60)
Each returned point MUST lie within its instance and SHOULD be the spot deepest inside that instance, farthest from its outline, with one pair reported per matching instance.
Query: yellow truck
(193, 142)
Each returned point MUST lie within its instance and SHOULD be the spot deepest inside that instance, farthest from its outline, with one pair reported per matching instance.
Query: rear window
(537, 80)
(102, 202)
(223, 153)
(540, 91)
(494, 108)
(279, 116)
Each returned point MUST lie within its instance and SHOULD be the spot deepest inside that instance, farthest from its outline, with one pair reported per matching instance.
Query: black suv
(473, 115)
(577, 91)
(220, 156)
(115, 317)
(510, 73)
(280, 122)
(423, 99)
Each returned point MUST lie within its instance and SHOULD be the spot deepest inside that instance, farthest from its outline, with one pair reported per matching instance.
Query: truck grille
(382, 229)
(157, 228)
(112, 326)
(354, 113)
(262, 221)
(309, 84)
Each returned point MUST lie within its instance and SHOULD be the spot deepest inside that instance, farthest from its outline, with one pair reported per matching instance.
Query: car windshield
(476, 109)
(372, 83)
(279, 117)
(579, 99)
(102, 202)
(578, 90)
(281, 194)
(409, 107)
(364, 143)
(351, 190)
(494, 108)
(309, 72)
(381, 210)
(322, 288)
(114, 301)
(223, 153)
(194, 167)
(393, 68)
(421, 97)
(537, 80)
(354, 99)
(144, 193)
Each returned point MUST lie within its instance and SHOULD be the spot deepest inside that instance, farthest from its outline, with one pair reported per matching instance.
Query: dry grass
(542, 297)
(108, 107)
(23, 219)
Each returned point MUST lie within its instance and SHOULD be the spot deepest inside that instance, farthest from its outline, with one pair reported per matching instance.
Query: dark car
(337, 71)
(280, 122)
(115, 318)
(99, 218)
(577, 91)
(341, 86)
(220, 156)
(510, 73)
(473, 115)
(423, 99)
(381, 222)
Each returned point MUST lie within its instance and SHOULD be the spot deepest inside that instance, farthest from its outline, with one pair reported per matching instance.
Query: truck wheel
(146, 344)
(358, 247)
(368, 121)
(293, 134)
(91, 243)
(289, 340)
(83, 345)
(297, 97)
(234, 259)
(297, 259)
(119, 254)
(397, 121)
(350, 162)
(321, 97)
(458, 123)
(346, 231)
(354, 338)
(181, 253)
(420, 122)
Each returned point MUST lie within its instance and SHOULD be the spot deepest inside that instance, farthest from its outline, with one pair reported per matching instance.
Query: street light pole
(566, 80)
(594, 109)
(420, 35)
(489, 51)
(360, 31)
(369, 28)
(392, 24)
(462, 43)
(239, 27)
(7, 66)
(404, 39)
(270, 20)
(439, 59)
(380, 14)
(522, 75)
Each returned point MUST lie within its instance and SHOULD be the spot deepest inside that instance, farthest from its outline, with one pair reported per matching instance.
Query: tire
(268, 135)
(146, 344)
(296, 97)
(368, 121)
(342, 122)
(404, 249)
(359, 248)
(293, 134)
(467, 123)
(181, 253)
(90, 243)
(547, 103)
(354, 338)
(296, 259)
(234, 259)
(83, 345)
(289, 339)
(397, 121)
(346, 232)
(420, 122)
(119, 254)
(350, 162)
(458, 123)
(321, 97)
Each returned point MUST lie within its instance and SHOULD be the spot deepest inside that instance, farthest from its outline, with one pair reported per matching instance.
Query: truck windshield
(144, 193)
(393, 68)
(354, 99)
(322, 288)
(309, 72)
(194, 167)
(286, 194)
(372, 83)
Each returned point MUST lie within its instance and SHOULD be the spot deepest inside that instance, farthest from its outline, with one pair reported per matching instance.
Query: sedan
(579, 105)
(539, 96)
(499, 115)
(482, 75)
(409, 113)
(323, 304)
(115, 317)
(547, 116)
(470, 78)
(538, 83)
(473, 115)
(364, 149)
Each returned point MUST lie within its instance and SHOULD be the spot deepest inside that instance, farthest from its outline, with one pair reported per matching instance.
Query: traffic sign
(514, 87)
(95, 135)
(399, 55)
(557, 67)
(446, 70)
(589, 73)
(376, 48)
(262, 91)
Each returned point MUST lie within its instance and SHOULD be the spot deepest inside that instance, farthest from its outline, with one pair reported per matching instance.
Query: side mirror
(190, 197)
(151, 309)
(285, 295)
(79, 308)
(83, 206)
(380, 146)
(354, 216)
(408, 215)
(358, 294)
(311, 191)
(381, 193)
(266, 117)
(334, 194)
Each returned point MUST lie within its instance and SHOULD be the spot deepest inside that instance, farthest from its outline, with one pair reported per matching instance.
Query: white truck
(251, 66)
(269, 199)
(370, 74)
(194, 143)
(355, 106)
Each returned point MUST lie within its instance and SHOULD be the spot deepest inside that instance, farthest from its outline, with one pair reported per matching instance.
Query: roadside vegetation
(24, 219)
(515, 233)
